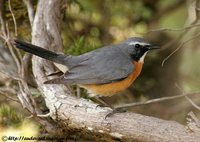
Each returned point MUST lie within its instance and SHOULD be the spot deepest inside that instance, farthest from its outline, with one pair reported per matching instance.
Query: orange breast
(115, 87)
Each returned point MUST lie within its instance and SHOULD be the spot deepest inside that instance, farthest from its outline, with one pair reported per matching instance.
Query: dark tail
(41, 52)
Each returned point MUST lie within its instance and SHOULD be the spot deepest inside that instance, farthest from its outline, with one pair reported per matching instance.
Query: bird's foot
(100, 105)
(116, 110)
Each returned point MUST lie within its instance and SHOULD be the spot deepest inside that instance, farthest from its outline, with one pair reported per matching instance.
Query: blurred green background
(92, 24)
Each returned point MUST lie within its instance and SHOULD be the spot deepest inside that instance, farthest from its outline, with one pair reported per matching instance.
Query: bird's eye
(137, 46)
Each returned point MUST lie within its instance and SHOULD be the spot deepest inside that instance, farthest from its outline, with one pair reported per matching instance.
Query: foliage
(9, 117)
(81, 45)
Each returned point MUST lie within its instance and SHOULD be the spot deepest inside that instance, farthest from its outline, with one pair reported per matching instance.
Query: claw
(116, 110)
(100, 105)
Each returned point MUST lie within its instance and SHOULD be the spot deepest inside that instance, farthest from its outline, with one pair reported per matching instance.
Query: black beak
(152, 47)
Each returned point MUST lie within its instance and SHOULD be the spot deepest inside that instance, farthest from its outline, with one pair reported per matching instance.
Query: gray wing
(101, 66)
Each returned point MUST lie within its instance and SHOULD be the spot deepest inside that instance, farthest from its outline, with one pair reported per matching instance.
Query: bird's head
(137, 48)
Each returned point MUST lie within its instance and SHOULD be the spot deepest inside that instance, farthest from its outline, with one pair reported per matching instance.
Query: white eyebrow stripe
(140, 43)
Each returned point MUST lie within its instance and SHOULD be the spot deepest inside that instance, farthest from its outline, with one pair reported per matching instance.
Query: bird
(104, 71)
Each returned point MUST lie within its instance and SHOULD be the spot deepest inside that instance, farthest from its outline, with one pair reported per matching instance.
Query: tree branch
(31, 14)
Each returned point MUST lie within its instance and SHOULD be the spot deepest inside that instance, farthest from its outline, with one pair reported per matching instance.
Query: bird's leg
(101, 102)
(105, 104)
(116, 110)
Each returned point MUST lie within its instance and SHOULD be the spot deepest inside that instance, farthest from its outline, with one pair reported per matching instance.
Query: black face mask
(139, 52)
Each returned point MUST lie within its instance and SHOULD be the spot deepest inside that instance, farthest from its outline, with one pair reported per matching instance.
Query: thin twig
(39, 115)
(15, 25)
(193, 103)
(179, 47)
(7, 40)
(13, 16)
(2, 17)
(155, 100)
(13, 76)
(8, 90)
(7, 96)
(187, 98)
(44, 115)
(172, 30)
(182, 35)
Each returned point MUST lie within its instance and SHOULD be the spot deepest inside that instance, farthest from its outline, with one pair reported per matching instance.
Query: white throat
(141, 60)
